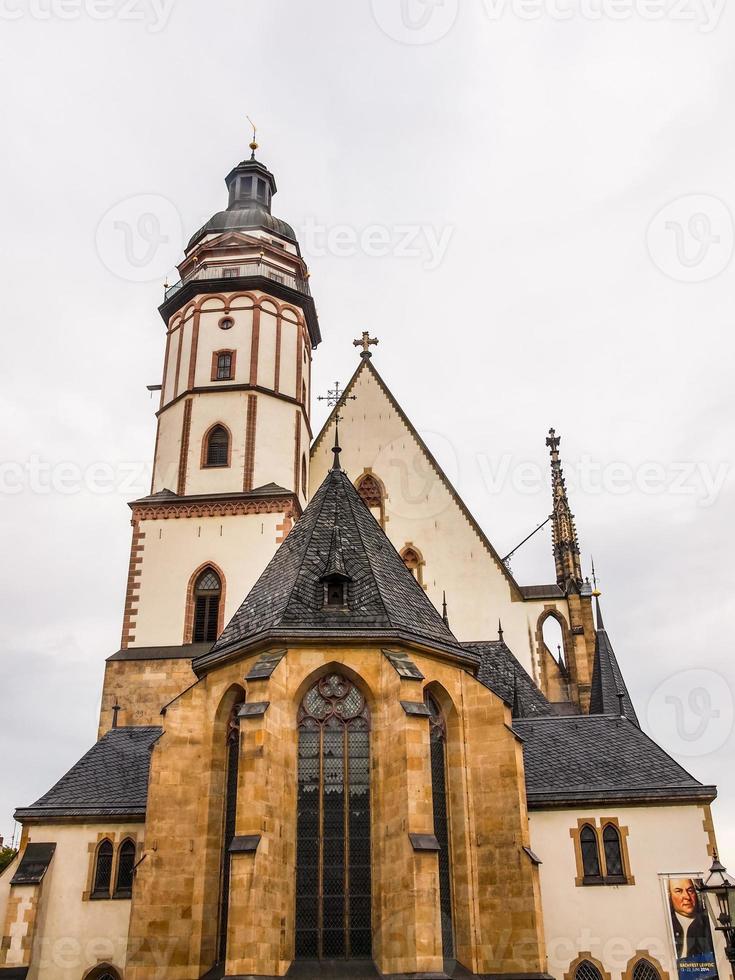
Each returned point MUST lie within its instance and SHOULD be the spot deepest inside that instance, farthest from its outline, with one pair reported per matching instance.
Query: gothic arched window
(333, 877)
(102, 870)
(217, 448)
(371, 492)
(645, 970)
(439, 787)
(207, 595)
(125, 866)
(590, 852)
(587, 971)
(613, 853)
(303, 475)
(103, 971)
(232, 768)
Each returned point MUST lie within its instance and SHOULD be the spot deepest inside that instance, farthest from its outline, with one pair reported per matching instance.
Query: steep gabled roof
(502, 673)
(366, 365)
(607, 678)
(110, 780)
(385, 601)
(600, 758)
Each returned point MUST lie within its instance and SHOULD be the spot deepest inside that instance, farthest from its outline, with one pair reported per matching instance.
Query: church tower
(231, 461)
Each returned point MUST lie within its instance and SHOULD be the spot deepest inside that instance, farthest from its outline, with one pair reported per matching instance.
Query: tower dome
(251, 187)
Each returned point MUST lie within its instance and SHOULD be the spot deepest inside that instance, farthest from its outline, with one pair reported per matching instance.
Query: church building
(335, 740)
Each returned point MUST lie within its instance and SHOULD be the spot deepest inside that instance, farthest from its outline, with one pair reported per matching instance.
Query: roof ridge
(307, 545)
(362, 542)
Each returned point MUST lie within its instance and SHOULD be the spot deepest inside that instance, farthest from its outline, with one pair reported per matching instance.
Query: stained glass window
(333, 878)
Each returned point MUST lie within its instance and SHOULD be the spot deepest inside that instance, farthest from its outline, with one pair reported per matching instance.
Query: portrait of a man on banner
(690, 929)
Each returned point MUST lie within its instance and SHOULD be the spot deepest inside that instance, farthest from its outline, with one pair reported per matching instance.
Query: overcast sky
(529, 204)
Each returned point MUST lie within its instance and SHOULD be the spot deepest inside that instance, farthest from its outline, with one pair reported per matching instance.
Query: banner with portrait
(690, 928)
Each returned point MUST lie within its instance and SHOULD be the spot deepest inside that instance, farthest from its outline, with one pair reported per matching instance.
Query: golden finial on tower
(254, 143)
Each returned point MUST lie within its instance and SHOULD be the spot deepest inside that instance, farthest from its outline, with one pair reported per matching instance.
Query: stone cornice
(168, 508)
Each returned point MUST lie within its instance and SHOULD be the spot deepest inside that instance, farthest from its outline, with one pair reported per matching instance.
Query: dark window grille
(645, 970)
(103, 871)
(233, 765)
(207, 595)
(125, 866)
(438, 742)
(224, 366)
(590, 853)
(333, 871)
(218, 447)
(613, 853)
(587, 971)
(231, 272)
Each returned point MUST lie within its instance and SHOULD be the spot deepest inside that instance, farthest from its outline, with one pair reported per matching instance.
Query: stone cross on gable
(366, 342)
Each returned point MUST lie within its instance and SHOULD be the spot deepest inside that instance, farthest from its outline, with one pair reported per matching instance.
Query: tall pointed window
(125, 868)
(587, 971)
(207, 595)
(590, 854)
(232, 767)
(103, 870)
(217, 448)
(438, 743)
(333, 879)
(613, 853)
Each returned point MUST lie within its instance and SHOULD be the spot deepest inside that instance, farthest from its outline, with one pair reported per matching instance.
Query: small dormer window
(336, 594)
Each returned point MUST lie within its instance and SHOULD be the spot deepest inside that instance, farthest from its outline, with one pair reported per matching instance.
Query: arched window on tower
(414, 562)
(225, 363)
(614, 868)
(125, 867)
(304, 488)
(590, 854)
(207, 596)
(373, 496)
(439, 793)
(217, 447)
(102, 870)
(554, 640)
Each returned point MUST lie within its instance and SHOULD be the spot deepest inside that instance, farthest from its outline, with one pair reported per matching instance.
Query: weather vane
(254, 144)
(336, 398)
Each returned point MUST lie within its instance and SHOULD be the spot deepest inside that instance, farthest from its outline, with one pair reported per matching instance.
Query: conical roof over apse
(336, 535)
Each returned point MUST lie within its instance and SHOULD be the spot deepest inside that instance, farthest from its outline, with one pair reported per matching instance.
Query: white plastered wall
(241, 546)
(73, 935)
(614, 922)
(421, 510)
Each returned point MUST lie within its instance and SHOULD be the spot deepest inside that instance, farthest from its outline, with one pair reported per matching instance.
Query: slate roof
(385, 601)
(607, 678)
(110, 780)
(599, 758)
(502, 673)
